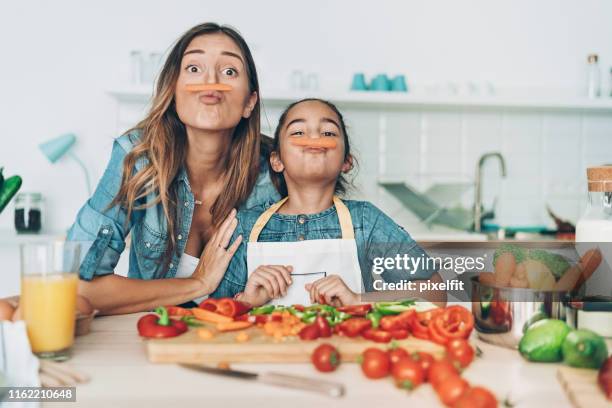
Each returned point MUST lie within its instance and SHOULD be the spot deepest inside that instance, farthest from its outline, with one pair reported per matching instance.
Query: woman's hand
(331, 290)
(267, 282)
(216, 255)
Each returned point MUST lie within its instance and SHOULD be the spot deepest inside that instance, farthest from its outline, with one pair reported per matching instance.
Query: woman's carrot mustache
(208, 87)
(321, 142)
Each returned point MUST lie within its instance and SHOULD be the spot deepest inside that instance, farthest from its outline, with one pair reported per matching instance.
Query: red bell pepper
(309, 332)
(209, 304)
(356, 310)
(160, 325)
(324, 327)
(231, 307)
(178, 311)
(376, 335)
(354, 326)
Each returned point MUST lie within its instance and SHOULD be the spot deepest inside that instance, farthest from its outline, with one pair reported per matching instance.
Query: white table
(113, 355)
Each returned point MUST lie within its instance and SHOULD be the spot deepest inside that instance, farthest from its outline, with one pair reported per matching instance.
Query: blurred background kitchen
(428, 89)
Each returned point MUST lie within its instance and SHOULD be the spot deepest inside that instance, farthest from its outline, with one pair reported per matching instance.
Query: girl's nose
(210, 76)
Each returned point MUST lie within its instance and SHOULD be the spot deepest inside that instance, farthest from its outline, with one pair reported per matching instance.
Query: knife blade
(329, 388)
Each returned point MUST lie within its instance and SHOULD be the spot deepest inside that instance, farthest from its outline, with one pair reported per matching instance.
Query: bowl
(502, 315)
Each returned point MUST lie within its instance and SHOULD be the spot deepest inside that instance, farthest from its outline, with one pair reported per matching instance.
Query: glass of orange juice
(49, 280)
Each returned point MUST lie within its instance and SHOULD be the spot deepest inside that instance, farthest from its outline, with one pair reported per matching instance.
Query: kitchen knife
(283, 380)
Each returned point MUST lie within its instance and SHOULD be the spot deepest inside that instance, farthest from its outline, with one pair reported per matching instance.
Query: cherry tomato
(425, 360)
(451, 389)
(324, 327)
(376, 335)
(407, 374)
(440, 370)
(375, 363)
(309, 332)
(325, 358)
(476, 397)
(460, 351)
(396, 354)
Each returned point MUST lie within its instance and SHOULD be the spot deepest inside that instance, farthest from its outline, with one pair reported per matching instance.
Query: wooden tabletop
(113, 355)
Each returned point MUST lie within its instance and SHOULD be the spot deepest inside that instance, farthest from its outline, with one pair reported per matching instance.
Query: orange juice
(49, 307)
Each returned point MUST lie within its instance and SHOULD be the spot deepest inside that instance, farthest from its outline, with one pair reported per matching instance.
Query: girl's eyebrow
(228, 53)
(298, 120)
(330, 120)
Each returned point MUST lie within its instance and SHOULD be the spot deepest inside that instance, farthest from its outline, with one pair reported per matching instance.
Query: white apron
(311, 259)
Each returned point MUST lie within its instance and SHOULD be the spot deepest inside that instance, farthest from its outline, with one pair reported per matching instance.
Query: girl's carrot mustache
(321, 142)
(208, 87)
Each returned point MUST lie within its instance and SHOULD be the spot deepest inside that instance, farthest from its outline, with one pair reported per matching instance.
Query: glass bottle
(28, 213)
(593, 77)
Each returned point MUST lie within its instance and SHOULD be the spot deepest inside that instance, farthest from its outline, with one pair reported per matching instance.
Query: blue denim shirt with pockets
(376, 236)
(103, 231)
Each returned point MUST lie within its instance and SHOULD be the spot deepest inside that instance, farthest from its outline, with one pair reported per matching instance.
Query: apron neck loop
(344, 217)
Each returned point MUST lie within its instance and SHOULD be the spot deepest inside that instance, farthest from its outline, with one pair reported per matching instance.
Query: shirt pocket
(150, 246)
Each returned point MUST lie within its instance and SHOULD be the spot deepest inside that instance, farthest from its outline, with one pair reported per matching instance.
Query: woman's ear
(276, 163)
(248, 109)
(348, 164)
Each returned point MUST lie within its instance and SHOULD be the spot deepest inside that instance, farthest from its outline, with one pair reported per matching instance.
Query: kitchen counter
(113, 355)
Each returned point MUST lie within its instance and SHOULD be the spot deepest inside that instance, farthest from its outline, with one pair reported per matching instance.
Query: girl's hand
(331, 290)
(216, 255)
(267, 282)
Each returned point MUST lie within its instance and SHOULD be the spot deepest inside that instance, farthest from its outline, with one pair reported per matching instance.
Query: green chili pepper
(191, 321)
(374, 317)
(262, 310)
(391, 308)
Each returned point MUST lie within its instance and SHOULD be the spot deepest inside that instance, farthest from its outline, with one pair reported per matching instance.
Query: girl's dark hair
(342, 184)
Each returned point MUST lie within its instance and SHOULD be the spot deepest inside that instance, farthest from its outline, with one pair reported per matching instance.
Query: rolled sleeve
(101, 229)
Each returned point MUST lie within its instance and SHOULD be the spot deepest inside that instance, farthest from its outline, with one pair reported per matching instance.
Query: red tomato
(460, 351)
(309, 332)
(451, 389)
(324, 327)
(440, 370)
(407, 374)
(396, 354)
(354, 326)
(325, 358)
(378, 336)
(476, 397)
(375, 363)
(425, 360)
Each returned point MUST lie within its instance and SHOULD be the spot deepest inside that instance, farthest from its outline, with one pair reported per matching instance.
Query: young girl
(312, 247)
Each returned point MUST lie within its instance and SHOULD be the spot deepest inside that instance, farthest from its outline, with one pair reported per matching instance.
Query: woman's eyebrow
(330, 120)
(228, 53)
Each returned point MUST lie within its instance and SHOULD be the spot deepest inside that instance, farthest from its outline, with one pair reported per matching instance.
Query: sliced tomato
(376, 335)
(354, 326)
(356, 310)
(209, 304)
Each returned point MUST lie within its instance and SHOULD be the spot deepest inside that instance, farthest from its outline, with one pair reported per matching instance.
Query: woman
(175, 180)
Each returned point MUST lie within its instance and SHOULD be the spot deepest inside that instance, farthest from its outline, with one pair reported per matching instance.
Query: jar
(596, 223)
(28, 213)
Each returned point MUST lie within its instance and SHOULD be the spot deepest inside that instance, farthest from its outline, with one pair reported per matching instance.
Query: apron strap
(344, 216)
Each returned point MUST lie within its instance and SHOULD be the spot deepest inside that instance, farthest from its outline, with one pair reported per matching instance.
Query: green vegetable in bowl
(584, 349)
(543, 340)
(555, 262)
(519, 253)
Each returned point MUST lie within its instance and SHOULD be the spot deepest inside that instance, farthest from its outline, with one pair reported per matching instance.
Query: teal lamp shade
(57, 147)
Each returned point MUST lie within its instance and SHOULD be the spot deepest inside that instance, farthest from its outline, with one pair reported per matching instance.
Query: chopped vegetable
(211, 317)
(391, 308)
(354, 326)
(604, 378)
(262, 310)
(205, 334)
(242, 337)
(519, 253)
(178, 311)
(374, 317)
(232, 308)
(160, 325)
(356, 310)
(231, 326)
(209, 304)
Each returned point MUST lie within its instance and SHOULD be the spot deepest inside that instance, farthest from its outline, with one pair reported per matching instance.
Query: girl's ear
(276, 163)
(348, 164)
(248, 109)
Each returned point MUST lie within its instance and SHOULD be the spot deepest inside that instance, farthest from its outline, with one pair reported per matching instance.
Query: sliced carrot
(208, 87)
(242, 337)
(205, 334)
(321, 142)
(211, 317)
(178, 311)
(230, 326)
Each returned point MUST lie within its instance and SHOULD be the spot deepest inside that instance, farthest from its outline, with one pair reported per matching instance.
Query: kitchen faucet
(478, 186)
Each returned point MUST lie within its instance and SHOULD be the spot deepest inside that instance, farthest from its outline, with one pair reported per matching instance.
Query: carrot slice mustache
(208, 87)
(324, 143)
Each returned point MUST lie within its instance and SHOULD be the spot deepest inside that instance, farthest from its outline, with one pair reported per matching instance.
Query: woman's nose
(210, 77)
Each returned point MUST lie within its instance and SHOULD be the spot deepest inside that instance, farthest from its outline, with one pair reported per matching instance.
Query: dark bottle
(28, 213)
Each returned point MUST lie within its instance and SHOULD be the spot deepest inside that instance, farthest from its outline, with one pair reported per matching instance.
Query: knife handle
(329, 388)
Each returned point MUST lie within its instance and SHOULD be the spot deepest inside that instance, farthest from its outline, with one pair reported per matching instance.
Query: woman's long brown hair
(163, 142)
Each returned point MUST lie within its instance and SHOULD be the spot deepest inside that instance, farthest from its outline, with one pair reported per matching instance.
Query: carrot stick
(211, 317)
(321, 142)
(208, 87)
(230, 326)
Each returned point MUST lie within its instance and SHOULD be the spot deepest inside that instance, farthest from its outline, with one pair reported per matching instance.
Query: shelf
(398, 100)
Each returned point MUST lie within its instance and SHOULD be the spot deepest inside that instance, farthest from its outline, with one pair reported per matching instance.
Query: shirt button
(148, 245)
(186, 204)
(105, 231)
(301, 219)
(301, 238)
(179, 237)
(171, 265)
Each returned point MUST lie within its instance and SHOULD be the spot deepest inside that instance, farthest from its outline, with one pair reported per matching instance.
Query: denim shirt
(103, 231)
(376, 236)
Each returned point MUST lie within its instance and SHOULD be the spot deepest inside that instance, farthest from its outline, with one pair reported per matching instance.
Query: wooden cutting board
(580, 385)
(261, 348)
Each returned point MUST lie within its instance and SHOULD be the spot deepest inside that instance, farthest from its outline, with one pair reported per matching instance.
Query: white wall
(59, 59)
